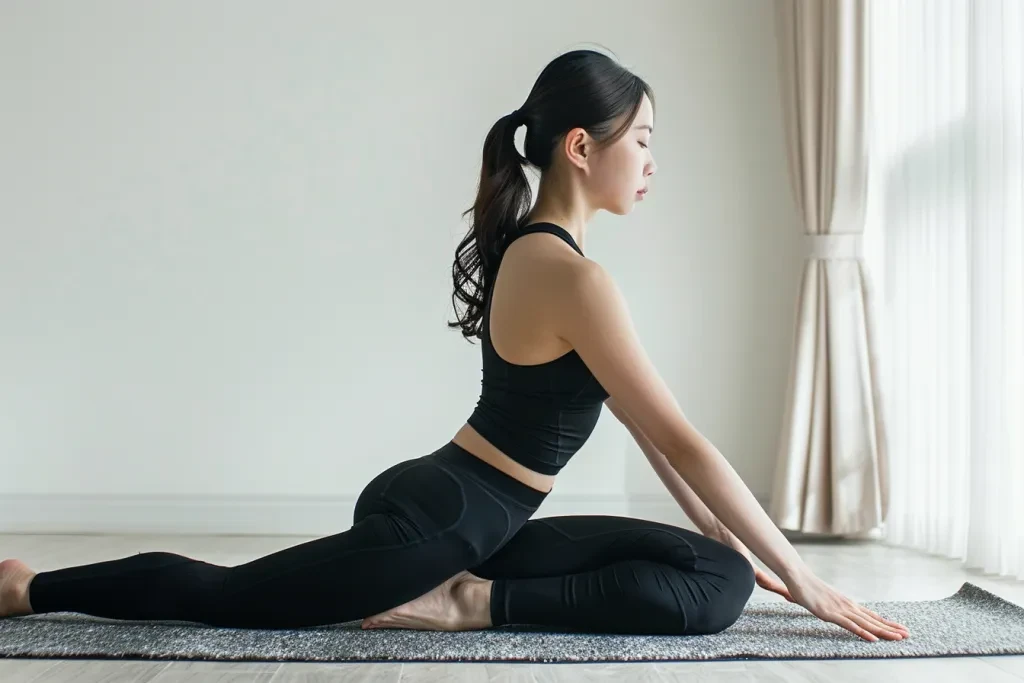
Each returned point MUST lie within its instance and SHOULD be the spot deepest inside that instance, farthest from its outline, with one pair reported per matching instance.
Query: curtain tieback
(849, 246)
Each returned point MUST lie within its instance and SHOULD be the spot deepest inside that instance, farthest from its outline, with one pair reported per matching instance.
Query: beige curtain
(831, 476)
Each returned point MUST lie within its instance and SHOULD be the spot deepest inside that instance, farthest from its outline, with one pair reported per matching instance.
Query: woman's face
(618, 174)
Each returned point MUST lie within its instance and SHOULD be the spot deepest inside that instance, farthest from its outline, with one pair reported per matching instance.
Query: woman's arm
(593, 317)
(694, 507)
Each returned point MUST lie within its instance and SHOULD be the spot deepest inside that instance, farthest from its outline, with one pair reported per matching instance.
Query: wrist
(712, 528)
(721, 533)
(794, 573)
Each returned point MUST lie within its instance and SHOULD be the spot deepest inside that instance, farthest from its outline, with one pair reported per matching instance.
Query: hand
(824, 602)
(761, 577)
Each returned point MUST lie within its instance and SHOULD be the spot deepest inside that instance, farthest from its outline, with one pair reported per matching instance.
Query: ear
(578, 148)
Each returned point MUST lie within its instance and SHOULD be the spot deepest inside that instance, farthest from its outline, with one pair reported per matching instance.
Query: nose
(650, 168)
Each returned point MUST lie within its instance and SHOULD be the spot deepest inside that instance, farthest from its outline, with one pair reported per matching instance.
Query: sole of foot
(15, 576)
(458, 604)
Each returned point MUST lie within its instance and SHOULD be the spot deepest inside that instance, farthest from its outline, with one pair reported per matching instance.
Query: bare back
(524, 308)
(522, 327)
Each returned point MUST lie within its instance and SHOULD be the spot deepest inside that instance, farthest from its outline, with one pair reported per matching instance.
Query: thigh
(412, 531)
(551, 546)
(381, 562)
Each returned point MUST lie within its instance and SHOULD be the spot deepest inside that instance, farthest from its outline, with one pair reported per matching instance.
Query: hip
(451, 493)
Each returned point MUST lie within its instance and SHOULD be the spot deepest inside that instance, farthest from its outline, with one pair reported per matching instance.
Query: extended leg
(405, 541)
(338, 578)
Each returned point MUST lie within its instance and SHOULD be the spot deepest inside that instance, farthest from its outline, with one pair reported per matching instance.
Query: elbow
(675, 437)
(682, 446)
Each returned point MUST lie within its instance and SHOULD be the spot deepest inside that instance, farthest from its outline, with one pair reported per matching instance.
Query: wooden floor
(864, 570)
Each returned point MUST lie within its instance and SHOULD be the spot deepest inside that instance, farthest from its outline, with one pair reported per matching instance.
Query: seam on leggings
(486, 488)
(546, 521)
(410, 517)
(501, 502)
(508, 520)
(695, 557)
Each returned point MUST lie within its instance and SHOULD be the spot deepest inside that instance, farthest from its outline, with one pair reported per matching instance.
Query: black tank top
(538, 415)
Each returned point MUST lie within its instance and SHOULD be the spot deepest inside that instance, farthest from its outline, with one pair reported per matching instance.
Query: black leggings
(415, 525)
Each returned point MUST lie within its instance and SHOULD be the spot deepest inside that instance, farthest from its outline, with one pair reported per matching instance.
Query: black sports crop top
(538, 415)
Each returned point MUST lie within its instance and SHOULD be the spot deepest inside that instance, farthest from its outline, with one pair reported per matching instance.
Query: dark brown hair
(579, 89)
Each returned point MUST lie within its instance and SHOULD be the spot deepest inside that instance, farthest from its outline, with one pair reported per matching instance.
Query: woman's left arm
(691, 503)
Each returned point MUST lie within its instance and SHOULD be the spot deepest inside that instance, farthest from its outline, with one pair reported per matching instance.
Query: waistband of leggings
(461, 459)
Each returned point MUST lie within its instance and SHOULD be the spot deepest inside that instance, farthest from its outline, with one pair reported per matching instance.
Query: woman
(446, 541)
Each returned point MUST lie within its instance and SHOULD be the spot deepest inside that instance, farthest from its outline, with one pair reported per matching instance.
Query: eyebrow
(650, 128)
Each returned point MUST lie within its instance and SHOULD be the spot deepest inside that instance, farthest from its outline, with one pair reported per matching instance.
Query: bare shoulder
(534, 269)
(523, 310)
(594, 318)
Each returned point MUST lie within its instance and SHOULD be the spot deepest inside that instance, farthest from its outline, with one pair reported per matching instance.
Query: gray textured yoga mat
(970, 622)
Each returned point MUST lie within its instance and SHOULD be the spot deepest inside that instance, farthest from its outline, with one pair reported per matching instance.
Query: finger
(881, 623)
(852, 626)
(769, 583)
(891, 624)
(874, 627)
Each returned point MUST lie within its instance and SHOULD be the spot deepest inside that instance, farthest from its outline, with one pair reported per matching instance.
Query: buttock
(442, 495)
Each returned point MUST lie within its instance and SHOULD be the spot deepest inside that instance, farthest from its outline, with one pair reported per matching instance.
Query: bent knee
(742, 576)
(733, 583)
(699, 602)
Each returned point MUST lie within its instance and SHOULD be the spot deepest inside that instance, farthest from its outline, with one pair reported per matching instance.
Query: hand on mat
(761, 577)
(826, 603)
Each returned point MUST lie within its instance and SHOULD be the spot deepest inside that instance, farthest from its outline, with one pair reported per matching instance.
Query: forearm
(691, 504)
(715, 498)
(714, 481)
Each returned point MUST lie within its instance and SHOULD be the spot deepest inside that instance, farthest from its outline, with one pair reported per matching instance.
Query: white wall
(227, 232)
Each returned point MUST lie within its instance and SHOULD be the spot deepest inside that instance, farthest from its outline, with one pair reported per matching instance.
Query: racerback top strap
(551, 228)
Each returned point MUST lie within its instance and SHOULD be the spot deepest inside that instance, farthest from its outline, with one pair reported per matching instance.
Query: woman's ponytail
(502, 200)
(581, 88)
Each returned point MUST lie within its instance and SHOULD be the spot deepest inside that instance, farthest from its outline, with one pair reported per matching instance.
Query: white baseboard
(275, 515)
(260, 515)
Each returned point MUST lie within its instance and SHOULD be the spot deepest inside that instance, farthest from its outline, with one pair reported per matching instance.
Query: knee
(733, 583)
(742, 576)
(701, 601)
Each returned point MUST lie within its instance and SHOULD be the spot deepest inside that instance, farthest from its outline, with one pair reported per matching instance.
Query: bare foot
(15, 576)
(461, 603)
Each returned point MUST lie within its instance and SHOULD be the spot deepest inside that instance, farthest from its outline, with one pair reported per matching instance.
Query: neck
(563, 204)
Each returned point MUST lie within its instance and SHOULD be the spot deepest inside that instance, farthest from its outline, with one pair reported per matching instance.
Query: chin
(624, 209)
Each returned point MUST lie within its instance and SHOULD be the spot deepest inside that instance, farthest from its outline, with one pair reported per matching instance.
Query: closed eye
(643, 145)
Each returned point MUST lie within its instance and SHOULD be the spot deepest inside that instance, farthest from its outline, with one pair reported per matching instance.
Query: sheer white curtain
(945, 225)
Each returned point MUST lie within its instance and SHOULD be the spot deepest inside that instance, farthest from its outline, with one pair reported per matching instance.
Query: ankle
(20, 604)
(475, 597)
(25, 603)
(482, 602)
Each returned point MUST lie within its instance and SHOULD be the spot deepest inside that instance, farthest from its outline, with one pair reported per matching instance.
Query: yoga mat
(970, 622)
